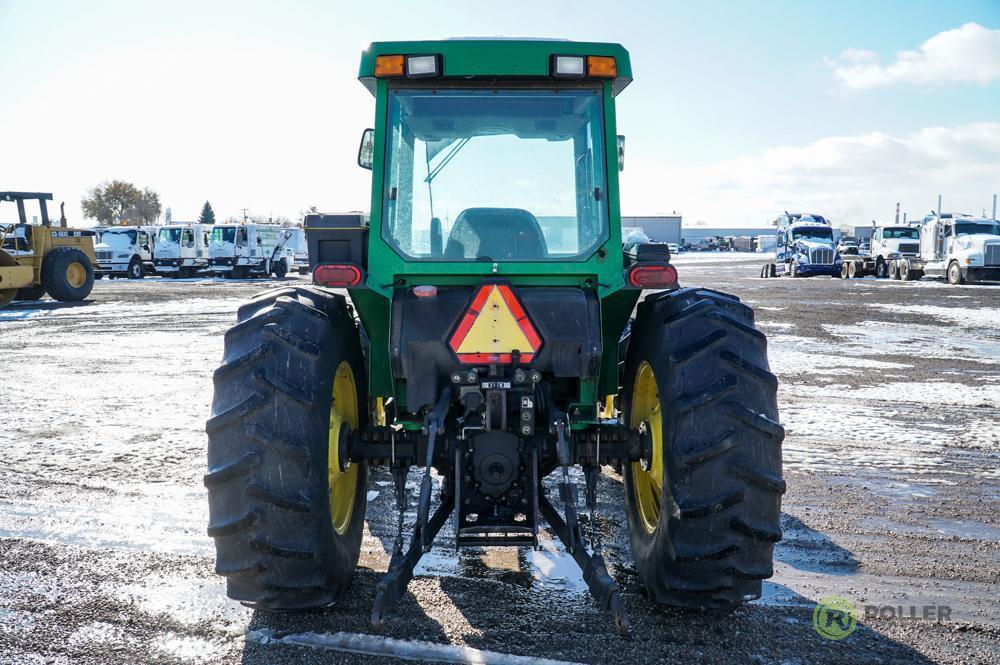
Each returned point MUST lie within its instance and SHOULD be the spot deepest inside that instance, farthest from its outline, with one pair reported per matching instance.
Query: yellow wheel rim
(76, 275)
(342, 484)
(648, 483)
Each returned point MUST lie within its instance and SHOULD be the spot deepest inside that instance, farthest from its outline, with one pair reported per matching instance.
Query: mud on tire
(720, 505)
(269, 505)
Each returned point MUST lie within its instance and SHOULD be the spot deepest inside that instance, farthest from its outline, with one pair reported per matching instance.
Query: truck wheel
(892, 269)
(955, 274)
(303, 271)
(286, 518)
(67, 274)
(844, 270)
(852, 270)
(280, 269)
(794, 271)
(703, 510)
(134, 269)
(29, 293)
(906, 273)
(881, 269)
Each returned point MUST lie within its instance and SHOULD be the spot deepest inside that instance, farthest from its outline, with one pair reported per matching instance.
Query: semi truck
(182, 249)
(249, 250)
(805, 246)
(125, 251)
(956, 247)
(299, 250)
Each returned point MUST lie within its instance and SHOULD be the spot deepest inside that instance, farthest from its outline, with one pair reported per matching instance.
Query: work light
(568, 66)
(418, 66)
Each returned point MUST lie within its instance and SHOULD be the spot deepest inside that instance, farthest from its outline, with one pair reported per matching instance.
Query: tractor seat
(496, 233)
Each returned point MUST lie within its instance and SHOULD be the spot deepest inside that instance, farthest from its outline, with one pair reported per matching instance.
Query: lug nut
(456, 378)
(526, 429)
(471, 376)
(520, 376)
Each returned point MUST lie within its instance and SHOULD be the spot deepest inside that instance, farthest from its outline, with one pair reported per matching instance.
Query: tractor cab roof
(471, 58)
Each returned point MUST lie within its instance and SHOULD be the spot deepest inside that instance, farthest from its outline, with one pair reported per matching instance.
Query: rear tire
(280, 269)
(283, 540)
(697, 376)
(67, 274)
(881, 269)
(892, 269)
(30, 293)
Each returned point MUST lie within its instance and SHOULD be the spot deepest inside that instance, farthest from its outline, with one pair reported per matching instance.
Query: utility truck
(299, 249)
(240, 251)
(487, 333)
(182, 249)
(805, 246)
(125, 251)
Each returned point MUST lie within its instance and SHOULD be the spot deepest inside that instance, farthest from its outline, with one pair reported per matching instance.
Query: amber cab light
(337, 274)
(388, 65)
(653, 276)
(601, 66)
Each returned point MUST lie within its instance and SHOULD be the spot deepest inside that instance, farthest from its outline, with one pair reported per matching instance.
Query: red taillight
(656, 276)
(337, 274)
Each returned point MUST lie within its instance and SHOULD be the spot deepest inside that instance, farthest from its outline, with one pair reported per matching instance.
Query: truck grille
(992, 254)
(822, 256)
(909, 248)
(103, 254)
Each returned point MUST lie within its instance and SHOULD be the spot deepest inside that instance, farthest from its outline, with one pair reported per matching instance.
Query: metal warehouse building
(695, 234)
(659, 228)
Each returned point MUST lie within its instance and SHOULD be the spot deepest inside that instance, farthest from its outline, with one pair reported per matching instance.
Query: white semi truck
(125, 251)
(805, 246)
(250, 250)
(182, 249)
(958, 248)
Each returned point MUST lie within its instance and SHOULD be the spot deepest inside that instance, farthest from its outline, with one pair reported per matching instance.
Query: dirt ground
(890, 395)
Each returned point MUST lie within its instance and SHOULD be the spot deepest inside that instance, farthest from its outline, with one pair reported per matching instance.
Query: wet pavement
(890, 394)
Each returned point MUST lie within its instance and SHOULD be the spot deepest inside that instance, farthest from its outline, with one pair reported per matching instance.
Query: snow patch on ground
(911, 339)
(984, 317)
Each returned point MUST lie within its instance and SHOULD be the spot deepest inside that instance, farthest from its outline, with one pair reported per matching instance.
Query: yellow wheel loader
(39, 258)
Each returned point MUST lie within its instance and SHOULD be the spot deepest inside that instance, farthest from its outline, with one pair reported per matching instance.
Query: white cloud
(969, 54)
(850, 179)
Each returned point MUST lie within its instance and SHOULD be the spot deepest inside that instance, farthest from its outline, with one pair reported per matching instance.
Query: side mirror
(621, 152)
(366, 151)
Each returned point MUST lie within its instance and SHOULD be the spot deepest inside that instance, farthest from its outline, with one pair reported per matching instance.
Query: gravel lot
(890, 394)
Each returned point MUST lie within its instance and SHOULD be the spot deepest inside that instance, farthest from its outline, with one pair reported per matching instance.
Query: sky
(738, 110)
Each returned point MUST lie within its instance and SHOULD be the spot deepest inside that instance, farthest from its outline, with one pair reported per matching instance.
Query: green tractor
(484, 326)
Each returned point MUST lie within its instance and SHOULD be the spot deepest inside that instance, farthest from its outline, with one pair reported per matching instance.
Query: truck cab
(125, 251)
(182, 249)
(960, 248)
(893, 242)
(249, 250)
(805, 246)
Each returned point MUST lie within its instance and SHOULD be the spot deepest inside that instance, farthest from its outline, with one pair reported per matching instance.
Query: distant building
(659, 228)
(696, 235)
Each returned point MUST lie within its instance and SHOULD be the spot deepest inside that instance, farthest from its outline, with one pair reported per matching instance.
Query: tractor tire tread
(721, 506)
(267, 451)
